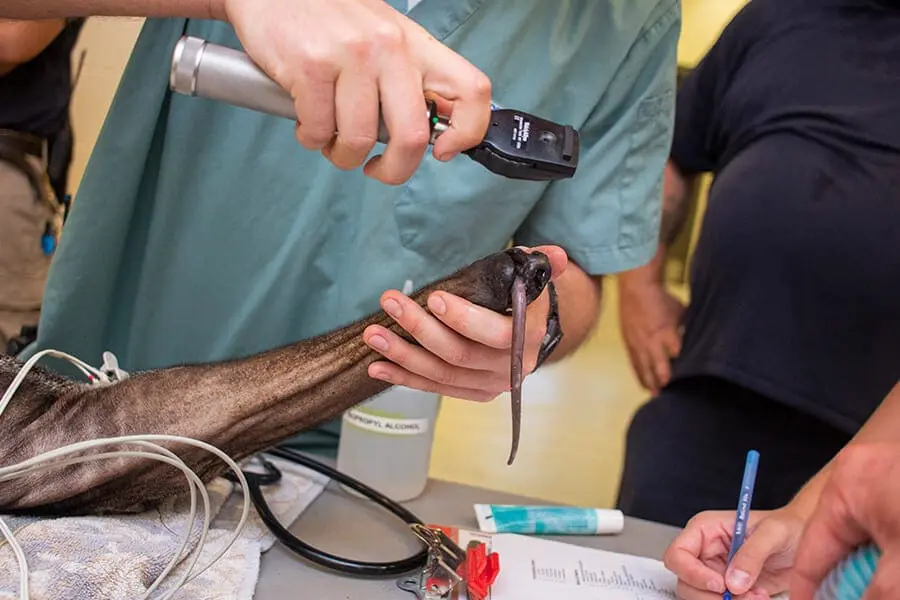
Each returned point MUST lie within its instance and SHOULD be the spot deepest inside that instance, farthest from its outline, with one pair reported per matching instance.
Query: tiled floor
(575, 416)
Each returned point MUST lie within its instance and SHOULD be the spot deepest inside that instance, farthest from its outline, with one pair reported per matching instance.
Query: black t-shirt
(34, 97)
(795, 285)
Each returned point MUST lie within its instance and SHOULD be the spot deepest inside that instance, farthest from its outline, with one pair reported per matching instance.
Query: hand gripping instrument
(517, 145)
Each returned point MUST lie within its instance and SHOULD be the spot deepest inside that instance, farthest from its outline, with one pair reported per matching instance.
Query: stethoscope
(272, 475)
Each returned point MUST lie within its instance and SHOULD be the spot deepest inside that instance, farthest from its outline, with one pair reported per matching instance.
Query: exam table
(351, 527)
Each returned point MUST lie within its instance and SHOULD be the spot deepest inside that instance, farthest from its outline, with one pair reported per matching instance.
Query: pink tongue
(517, 356)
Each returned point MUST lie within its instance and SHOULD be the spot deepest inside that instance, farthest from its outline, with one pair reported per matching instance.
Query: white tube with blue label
(548, 520)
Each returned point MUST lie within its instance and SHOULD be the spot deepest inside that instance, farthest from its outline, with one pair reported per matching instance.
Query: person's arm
(602, 221)
(344, 62)
(882, 426)
(55, 9)
(678, 187)
(858, 506)
(22, 41)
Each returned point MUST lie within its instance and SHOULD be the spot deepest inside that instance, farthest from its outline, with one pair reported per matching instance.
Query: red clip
(481, 570)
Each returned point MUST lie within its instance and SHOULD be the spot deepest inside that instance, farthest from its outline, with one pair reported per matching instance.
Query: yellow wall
(701, 24)
(108, 44)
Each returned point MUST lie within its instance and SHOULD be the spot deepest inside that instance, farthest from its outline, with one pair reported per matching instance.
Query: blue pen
(743, 508)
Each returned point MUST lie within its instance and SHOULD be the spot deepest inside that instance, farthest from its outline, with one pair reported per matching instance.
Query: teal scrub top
(203, 231)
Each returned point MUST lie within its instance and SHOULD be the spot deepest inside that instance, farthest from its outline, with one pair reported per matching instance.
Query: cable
(324, 559)
(58, 458)
(249, 482)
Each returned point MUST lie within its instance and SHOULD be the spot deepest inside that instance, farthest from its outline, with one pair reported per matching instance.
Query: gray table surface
(355, 528)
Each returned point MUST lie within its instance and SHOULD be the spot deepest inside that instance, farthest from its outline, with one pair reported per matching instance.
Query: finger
(659, 363)
(396, 375)
(314, 103)
(683, 558)
(830, 535)
(356, 114)
(456, 80)
(420, 361)
(405, 117)
(684, 591)
(645, 371)
(672, 342)
(559, 260)
(473, 322)
(436, 337)
(688, 567)
(770, 537)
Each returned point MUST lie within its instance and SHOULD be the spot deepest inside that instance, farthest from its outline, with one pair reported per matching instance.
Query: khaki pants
(23, 264)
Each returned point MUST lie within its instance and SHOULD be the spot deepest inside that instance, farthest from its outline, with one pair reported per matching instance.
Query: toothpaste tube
(549, 520)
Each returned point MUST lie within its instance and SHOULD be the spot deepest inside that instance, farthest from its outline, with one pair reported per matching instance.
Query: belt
(15, 148)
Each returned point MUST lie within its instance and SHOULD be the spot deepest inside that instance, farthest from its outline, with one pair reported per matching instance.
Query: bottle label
(386, 425)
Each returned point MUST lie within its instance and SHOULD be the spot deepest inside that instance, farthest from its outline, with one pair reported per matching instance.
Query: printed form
(539, 569)
(535, 568)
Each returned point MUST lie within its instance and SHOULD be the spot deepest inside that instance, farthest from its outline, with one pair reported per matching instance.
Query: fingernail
(437, 304)
(738, 580)
(392, 307)
(448, 156)
(379, 343)
(714, 585)
(382, 376)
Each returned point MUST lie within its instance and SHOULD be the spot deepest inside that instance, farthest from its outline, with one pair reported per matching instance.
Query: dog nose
(538, 269)
(534, 268)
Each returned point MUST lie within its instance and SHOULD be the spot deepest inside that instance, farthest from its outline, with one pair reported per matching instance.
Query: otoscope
(517, 145)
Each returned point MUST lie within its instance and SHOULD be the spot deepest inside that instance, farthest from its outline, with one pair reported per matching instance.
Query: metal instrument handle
(215, 72)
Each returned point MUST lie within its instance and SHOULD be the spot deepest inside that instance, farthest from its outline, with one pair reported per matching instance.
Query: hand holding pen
(759, 568)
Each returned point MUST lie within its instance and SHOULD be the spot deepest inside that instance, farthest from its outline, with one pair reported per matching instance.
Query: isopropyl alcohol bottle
(386, 442)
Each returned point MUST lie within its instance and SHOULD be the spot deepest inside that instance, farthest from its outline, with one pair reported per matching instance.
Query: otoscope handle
(215, 72)
(517, 145)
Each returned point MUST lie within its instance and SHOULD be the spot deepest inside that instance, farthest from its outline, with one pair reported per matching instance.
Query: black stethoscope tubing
(348, 566)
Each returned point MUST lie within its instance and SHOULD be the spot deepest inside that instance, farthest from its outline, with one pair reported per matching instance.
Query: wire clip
(448, 566)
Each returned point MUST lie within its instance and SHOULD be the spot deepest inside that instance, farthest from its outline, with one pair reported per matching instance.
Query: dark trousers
(685, 451)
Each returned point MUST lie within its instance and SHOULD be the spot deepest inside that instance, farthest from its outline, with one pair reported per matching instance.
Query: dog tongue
(517, 356)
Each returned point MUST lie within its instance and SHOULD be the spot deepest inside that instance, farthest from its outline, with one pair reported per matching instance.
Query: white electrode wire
(193, 480)
(88, 370)
(53, 459)
(24, 593)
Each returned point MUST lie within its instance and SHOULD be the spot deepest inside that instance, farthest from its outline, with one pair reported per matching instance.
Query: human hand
(858, 505)
(649, 318)
(760, 568)
(342, 59)
(465, 349)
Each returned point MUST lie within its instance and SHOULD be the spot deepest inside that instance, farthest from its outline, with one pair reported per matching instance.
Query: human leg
(23, 263)
(685, 451)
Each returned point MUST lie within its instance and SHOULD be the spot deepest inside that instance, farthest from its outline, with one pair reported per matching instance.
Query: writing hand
(759, 570)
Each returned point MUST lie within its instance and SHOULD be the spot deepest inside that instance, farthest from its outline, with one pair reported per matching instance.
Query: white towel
(98, 558)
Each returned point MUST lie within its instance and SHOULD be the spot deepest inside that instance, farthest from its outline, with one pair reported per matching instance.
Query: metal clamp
(438, 578)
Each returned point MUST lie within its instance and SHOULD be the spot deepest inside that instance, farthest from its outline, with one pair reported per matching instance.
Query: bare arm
(677, 188)
(882, 426)
(53, 9)
(579, 306)
(22, 41)
(649, 316)
(389, 56)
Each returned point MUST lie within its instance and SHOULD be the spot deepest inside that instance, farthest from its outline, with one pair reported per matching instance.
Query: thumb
(769, 538)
